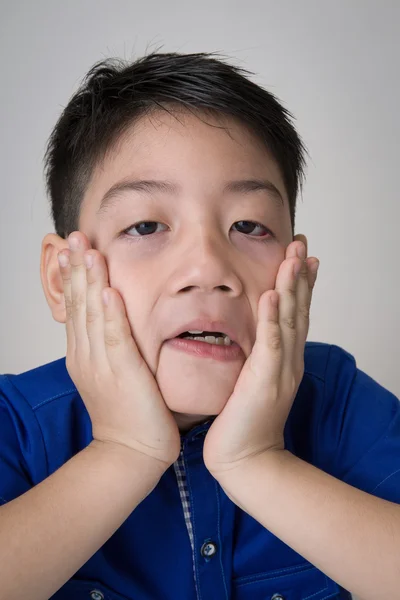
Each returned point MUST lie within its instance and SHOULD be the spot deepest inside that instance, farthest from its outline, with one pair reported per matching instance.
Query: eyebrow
(149, 186)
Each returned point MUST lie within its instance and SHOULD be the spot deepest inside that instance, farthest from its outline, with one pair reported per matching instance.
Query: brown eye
(143, 228)
(248, 227)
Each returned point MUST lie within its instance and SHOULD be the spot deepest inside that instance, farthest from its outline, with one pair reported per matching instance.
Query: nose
(207, 263)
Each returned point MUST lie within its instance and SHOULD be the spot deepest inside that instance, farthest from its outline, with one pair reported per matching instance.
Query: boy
(191, 444)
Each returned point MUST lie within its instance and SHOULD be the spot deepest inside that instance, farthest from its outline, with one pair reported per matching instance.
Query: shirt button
(96, 595)
(208, 549)
(277, 597)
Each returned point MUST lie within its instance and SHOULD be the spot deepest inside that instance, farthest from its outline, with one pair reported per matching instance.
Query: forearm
(49, 532)
(351, 536)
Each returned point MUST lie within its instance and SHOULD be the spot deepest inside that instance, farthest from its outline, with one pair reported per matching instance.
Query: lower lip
(205, 350)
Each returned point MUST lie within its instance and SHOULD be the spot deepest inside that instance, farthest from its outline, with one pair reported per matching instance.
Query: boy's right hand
(119, 391)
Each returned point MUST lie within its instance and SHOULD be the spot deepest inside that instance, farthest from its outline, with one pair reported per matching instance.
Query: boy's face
(196, 260)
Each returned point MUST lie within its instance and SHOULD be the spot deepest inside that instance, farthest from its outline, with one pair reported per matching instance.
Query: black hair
(115, 93)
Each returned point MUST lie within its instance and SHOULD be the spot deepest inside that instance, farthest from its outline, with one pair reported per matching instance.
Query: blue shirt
(187, 540)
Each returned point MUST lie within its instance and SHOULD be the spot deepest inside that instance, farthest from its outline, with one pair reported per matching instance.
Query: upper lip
(204, 324)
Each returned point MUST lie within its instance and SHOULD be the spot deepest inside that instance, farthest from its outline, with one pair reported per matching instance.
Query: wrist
(126, 455)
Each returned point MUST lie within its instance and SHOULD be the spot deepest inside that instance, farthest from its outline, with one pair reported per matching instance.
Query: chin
(195, 386)
(193, 402)
(191, 389)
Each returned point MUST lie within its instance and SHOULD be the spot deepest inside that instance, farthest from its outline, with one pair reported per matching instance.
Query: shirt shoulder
(39, 385)
(355, 433)
(44, 421)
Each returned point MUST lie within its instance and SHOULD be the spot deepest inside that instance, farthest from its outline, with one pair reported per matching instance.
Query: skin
(196, 260)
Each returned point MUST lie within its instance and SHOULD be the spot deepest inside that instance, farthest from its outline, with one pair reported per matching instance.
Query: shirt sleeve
(359, 429)
(22, 456)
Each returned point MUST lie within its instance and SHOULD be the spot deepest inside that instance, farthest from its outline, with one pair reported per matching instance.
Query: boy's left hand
(253, 420)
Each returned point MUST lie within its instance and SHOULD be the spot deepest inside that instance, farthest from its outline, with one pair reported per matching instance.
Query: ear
(50, 275)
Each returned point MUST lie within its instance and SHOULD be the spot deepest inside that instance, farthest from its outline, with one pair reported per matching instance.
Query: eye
(144, 227)
(247, 226)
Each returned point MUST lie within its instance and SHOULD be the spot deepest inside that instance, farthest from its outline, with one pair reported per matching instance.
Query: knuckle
(305, 312)
(275, 342)
(76, 263)
(66, 276)
(68, 308)
(92, 315)
(112, 339)
(289, 322)
(78, 301)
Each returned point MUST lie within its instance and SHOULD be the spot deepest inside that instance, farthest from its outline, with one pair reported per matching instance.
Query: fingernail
(73, 243)
(314, 268)
(88, 258)
(62, 260)
(301, 251)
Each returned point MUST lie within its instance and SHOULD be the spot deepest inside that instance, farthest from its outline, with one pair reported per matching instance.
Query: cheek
(264, 269)
(127, 275)
(131, 282)
(274, 266)
(137, 305)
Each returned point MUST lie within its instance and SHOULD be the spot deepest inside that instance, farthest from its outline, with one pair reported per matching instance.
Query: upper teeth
(226, 341)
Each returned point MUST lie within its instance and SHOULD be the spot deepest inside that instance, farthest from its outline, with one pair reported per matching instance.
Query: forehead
(200, 155)
(203, 140)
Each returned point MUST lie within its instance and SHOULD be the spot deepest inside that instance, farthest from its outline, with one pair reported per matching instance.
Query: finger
(96, 281)
(303, 301)
(78, 245)
(305, 287)
(268, 348)
(286, 287)
(122, 352)
(306, 283)
(65, 270)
